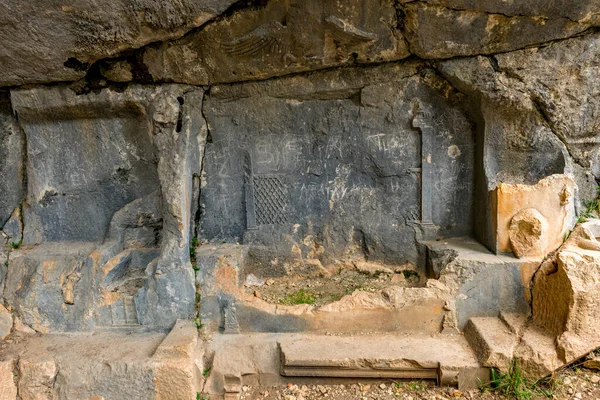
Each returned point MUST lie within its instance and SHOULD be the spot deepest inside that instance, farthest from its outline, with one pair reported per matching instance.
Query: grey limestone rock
(45, 41)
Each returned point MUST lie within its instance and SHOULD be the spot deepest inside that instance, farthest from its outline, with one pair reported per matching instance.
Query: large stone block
(533, 220)
(566, 294)
(442, 31)
(281, 37)
(43, 41)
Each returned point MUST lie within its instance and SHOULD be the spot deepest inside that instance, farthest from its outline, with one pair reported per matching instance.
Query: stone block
(8, 387)
(36, 379)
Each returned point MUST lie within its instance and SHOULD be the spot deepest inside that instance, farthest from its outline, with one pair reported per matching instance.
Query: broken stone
(372, 268)
(253, 280)
(36, 379)
(593, 363)
(526, 230)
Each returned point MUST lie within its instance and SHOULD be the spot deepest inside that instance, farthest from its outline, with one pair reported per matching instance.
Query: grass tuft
(301, 296)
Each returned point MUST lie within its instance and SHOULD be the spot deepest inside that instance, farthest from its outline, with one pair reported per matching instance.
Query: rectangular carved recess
(270, 200)
(124, 312)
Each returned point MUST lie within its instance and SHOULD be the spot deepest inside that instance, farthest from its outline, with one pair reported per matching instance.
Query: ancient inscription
(270, 200)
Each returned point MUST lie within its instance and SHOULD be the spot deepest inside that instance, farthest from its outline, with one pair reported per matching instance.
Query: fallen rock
(372, 268)
(593, 363)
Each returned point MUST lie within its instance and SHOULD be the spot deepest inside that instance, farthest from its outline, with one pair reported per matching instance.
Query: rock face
(281, 38)
(155, 156)
(310, 182)
(12, 166)
(49, 42)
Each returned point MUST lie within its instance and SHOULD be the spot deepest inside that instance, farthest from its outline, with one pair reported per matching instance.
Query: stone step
(447, 359)
(492, 340)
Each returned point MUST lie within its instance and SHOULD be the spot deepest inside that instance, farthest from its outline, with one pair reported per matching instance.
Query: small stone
(245, 388)
(382, 386)
(595, 379)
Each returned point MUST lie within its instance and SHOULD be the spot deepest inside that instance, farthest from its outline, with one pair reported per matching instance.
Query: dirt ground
(572, 384)
(320, 290)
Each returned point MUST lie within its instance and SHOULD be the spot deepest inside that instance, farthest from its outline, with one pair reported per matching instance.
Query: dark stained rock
(440, 32)
(281, 38)
(48, 41)
(331, 163)
(12, 149)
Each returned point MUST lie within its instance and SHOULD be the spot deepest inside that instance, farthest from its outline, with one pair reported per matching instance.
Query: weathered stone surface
(526, 229)
(537, 353)
(438, 31)
(13, 228)
(345, 157)
(593, 363)
(375, 357)
(36, 379)
(12, 149)
(492, 340)
(8, 388)
(562, 79)
(566, 295)
(479, 283)
(581, 10)
(557, 86)
(533, 220)
(87, 158)
(48, 42)
(180, 342)
(281, 38)
(116, 166)
(6, 322)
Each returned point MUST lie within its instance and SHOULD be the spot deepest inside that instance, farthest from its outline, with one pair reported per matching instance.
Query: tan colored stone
(536, 353)
(180, 342)
(36, 379)
(526, 229)
(371, 267)
(566, 297)
(548, 198)
(174, 380)
(8, 389)
(593, 363)
(492, 340)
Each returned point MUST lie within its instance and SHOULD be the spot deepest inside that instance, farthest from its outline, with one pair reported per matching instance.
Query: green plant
(514, 384)
(17, 244)
(198, 323)
(301, 296)
(195, 241)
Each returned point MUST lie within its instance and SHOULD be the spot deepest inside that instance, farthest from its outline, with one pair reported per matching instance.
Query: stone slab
(492, 340)
(384, 356)
(180, 342)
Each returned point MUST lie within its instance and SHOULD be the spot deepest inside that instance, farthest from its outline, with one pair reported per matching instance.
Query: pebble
(382, 386)
(595, 379)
